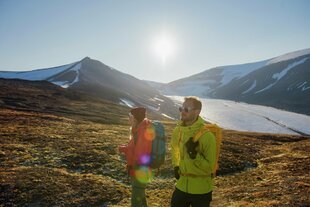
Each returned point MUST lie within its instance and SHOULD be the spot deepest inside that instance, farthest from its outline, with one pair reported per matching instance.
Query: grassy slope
(63, 152)
(53, 160)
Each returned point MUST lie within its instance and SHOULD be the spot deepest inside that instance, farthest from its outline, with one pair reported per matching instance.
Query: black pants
(182, 199)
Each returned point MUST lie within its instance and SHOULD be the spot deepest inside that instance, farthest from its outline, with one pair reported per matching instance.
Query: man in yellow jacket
(193, 162)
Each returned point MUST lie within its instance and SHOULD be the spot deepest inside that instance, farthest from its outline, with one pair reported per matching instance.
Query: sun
(164, 46)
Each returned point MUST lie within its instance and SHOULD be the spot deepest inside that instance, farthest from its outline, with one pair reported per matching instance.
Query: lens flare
(143, 174)
(149, 133)
(145, 159)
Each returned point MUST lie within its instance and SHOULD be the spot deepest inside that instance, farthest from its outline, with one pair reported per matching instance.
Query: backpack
(158, 152)
(217, 132)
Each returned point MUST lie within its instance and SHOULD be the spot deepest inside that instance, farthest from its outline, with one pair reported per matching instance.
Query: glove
(176, 172)
(191, 148)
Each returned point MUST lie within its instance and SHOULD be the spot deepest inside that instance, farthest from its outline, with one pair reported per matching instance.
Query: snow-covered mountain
(44, 74)
(255, 118)
(282, 82)
(93, 77)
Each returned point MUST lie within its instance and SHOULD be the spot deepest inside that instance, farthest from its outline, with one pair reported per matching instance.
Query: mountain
(282, 85)
(281, 82)
(154, 84)
(45, 97)
(95, 78)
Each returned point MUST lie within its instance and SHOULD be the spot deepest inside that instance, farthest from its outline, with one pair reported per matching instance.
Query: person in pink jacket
(137, 153)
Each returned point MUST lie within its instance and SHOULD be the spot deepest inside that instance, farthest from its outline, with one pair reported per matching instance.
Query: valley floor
(52, 160)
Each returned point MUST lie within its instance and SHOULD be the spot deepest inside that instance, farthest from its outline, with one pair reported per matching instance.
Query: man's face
(188, 112)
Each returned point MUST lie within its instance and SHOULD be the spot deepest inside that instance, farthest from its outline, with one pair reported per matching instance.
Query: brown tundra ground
(48, 159)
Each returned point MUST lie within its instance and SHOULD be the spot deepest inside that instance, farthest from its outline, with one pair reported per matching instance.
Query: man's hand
(176, 172)
(191, 148)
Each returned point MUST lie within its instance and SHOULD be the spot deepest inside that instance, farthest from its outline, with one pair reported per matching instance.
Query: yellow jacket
(195, 174)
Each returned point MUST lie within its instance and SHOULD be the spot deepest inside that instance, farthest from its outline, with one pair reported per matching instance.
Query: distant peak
(87, 61)
(86, 58)
(290, 55)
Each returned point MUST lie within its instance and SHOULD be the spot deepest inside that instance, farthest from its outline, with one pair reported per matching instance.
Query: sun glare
(164, 46)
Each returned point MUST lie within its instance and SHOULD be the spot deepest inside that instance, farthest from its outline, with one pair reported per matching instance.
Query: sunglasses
(186, 109)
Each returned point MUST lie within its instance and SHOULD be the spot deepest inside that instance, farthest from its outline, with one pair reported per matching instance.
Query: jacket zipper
(184, 150)
(181, 140)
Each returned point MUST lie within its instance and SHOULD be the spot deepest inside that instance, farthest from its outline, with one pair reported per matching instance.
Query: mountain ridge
(243, 82)
(283, 83)
(95, 78)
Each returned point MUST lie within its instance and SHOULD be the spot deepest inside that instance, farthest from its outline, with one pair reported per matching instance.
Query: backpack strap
(217, 131)
(199, 134)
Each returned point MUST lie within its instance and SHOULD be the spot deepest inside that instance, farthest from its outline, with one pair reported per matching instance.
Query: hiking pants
(138, 198)
(182, 199)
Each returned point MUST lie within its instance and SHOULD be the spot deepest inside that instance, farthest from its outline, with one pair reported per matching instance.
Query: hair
(139, 113)
(195, 100)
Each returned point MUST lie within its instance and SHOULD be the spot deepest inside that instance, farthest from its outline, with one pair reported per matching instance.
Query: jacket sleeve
(207, 157)
(175, 151)
(129, 152)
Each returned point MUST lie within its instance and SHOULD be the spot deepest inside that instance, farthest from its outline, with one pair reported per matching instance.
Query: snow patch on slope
(280, 75)
(289, 56)
(66, 84)
(251, 88)
(238, 71)
(304, 87)
(35, 75)
(126, 102)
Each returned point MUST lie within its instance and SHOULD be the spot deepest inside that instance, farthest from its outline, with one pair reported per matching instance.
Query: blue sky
(190, 36)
